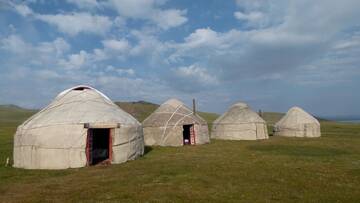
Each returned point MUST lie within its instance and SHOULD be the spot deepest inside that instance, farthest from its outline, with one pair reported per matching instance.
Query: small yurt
(297, 123)
(174, 124)
(239, 123)
(80, 127)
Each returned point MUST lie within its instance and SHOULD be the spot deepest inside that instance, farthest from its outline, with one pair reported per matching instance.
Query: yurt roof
(295, 116)
(80, 104)
(239, 113)
(171, 113)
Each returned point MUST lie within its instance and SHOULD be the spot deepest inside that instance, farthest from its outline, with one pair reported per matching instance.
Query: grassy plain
(325, 169)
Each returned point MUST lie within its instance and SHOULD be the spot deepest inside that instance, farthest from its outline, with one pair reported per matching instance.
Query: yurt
(297, 123)
(80, 127)
(174, 124)
(239, 123)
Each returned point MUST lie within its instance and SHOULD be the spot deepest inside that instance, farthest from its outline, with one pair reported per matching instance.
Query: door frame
(192, 135)
(89, 139)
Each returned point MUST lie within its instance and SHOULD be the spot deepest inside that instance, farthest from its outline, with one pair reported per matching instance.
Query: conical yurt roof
(296, 116)
(239, 113)
(77, 105)
(170, 113)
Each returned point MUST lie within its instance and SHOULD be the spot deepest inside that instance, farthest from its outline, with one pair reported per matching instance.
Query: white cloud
(256, 4)
(125, 88)
(149, 10)
(85, 4)
(121, 45)
(119, 22)
(262, 13)
(83, 59)
(22, 9)
(44, 50)
(99, 55)
(274, 47)
(196, 73)
(149, 48)
(59, 46)
(134, 8)
(20, 72)
(121, 71)
(347, 44)
(252, 16)
(14, 43)
(12, 28)
(353, 42)
(126, 71)
(202, 37)
(169, 18)
(204, 43)
(47, 74)
(75, 23)
(71, 23)
(31, 63)
(75, 61)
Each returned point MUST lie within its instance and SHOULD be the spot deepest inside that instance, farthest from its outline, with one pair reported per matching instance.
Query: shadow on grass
(147, 149)
(298, 150)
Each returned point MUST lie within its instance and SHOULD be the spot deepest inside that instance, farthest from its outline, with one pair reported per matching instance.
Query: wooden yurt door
(192, 135)
(189, 134)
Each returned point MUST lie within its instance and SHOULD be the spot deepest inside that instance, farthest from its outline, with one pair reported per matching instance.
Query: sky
(271, 54)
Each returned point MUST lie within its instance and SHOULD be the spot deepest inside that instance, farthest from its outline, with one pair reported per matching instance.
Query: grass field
(325, 169)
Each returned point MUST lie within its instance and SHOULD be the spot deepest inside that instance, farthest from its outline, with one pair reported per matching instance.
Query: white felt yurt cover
(239, 123)
(56, 137)
(297, 123)
(164, 127)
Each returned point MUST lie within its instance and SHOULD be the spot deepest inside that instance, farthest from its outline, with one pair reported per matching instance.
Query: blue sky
(272, 54)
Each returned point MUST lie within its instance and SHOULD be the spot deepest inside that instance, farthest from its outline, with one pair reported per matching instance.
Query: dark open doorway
(98, 146)
(187, 134)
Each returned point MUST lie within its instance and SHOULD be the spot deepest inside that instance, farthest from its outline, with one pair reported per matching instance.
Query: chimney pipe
(194, 107)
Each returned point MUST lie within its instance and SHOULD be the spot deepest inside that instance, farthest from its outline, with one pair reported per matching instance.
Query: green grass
(11, 113)
(325, 169)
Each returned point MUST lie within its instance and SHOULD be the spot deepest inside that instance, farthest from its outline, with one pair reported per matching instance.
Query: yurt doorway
(188, 135)
(98, 149)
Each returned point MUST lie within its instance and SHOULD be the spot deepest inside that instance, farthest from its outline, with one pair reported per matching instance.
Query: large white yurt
(174, 124)
(80, 127)
(297, 123)
(239, 123)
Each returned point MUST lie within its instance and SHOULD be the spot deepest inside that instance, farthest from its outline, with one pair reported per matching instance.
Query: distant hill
(344, 118)
(272, 117)
(10, 107)
(13, 113)
(140, 109)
